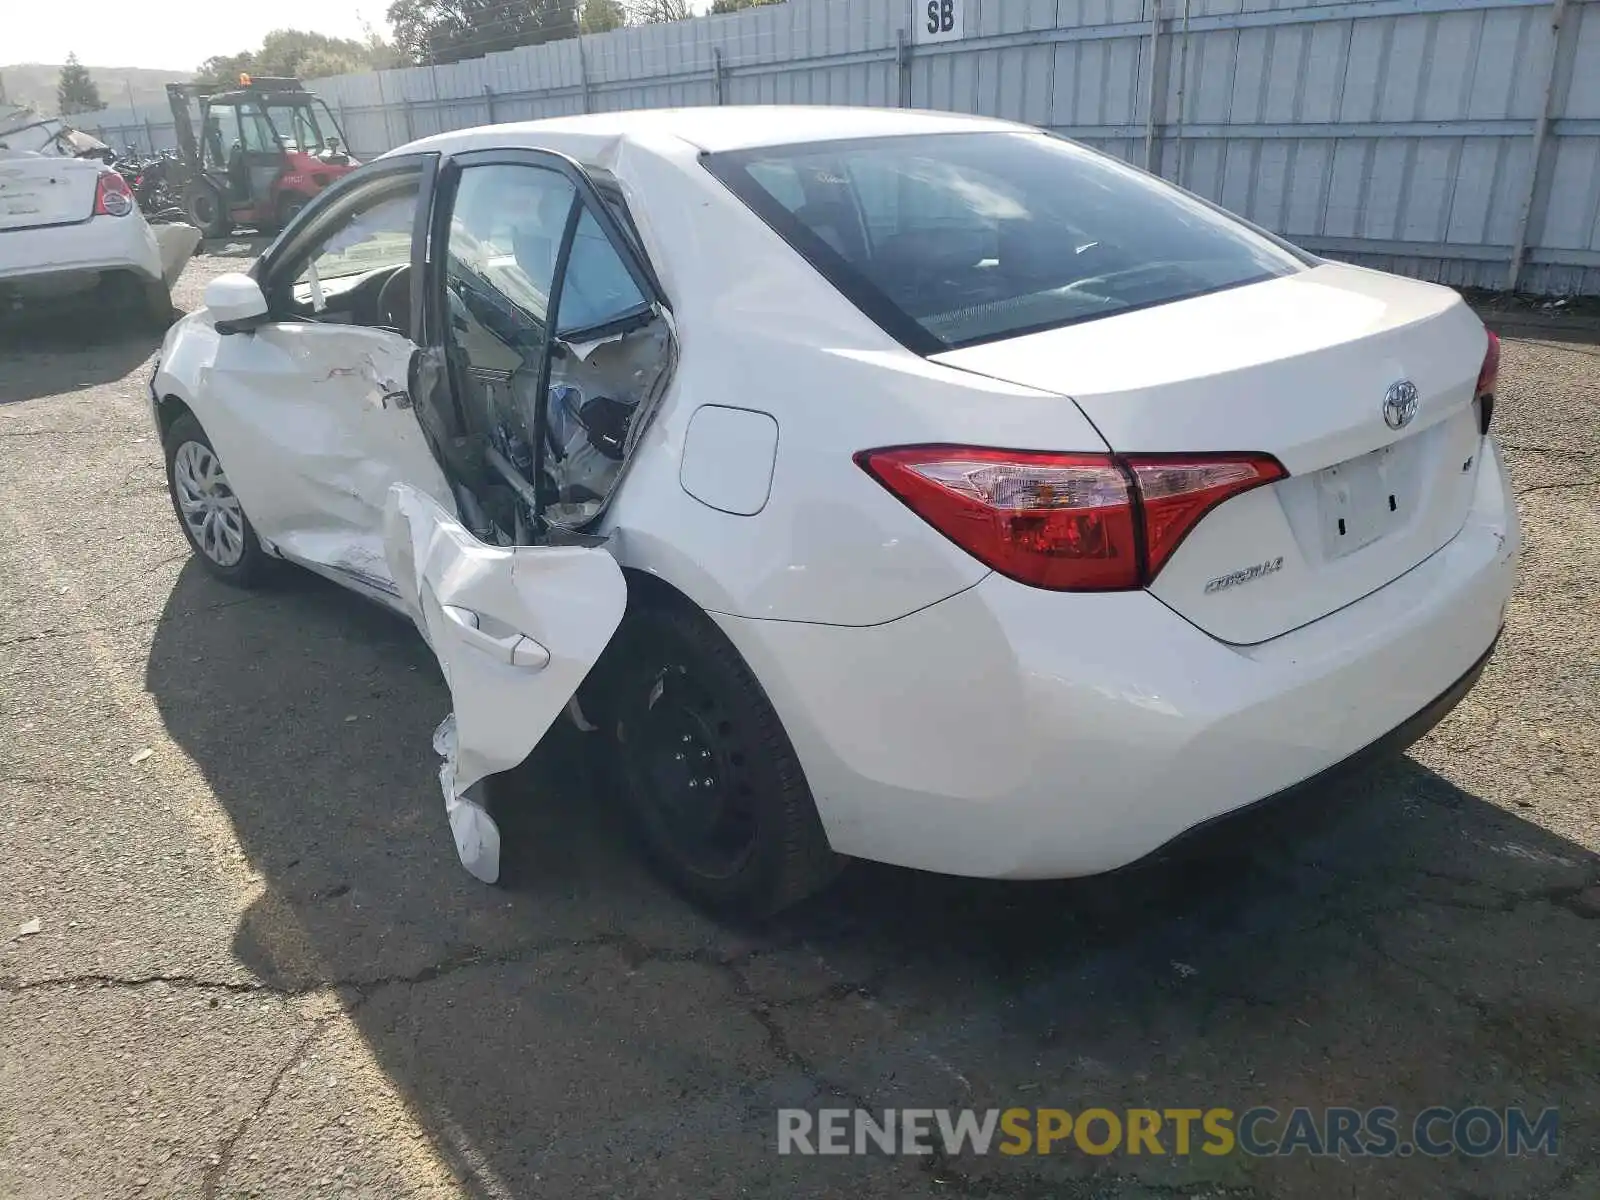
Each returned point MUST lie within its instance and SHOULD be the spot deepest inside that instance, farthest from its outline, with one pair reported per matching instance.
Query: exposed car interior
(379, 299)
(540, 427)
(556, 462)
(356, 270)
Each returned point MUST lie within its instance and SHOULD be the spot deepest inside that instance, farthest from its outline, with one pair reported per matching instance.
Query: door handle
(514, 649)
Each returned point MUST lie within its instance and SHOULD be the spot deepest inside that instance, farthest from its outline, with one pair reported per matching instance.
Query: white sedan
(71, 232)
(876, 484)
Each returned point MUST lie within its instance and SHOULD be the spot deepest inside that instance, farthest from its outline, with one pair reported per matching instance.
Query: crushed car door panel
(515, 630)
(313, 412)
(315, 428)
(547, 351)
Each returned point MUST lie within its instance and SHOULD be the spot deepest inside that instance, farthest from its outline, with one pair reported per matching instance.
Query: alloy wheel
(210, 510)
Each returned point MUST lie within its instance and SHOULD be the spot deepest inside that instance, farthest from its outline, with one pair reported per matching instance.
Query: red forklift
(263, 149)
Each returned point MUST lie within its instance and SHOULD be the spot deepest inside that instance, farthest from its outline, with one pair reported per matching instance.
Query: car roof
(730, 127)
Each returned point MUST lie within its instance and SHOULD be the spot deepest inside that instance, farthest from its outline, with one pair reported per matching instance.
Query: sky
(168, 34)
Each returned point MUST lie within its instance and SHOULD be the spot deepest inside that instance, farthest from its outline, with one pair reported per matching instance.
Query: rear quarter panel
(760, 329)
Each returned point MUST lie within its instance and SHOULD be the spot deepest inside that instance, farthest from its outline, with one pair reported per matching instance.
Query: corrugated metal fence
(1457, 140)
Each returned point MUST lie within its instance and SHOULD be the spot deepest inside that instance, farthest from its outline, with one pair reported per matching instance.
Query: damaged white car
(71, 232)
(884, 484)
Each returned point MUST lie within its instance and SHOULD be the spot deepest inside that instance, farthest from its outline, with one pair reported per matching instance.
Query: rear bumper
(62, 259)
(1396, 741)
(1015, 733)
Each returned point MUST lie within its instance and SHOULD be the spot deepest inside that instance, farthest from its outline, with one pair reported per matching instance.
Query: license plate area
(1361, 500)
(20, 198)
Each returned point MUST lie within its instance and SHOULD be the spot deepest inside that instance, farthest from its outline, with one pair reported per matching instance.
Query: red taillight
(1489, 373)
(1176, 492)
(111, 196)
(1488, 380)
(1068, 522)
(1053, 520)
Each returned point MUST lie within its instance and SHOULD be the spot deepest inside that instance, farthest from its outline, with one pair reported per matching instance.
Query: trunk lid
(36, 191)
(1297, 367)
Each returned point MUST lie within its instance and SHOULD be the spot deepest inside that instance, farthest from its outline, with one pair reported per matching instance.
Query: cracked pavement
(260, 970)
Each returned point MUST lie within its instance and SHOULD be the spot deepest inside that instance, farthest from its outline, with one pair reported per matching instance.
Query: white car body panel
(1010, 732)
(316, 427)
(946, 717)
(515, 630)
(759, 329)
(51, 245)
(176, 243)
(728, 458)
(1297, 367)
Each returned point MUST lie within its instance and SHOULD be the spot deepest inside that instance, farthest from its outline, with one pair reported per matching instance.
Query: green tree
(382, 54)
(728, 6)
(601, 16)
(449, 30)
(658, 12)
(303, 55)
(225, 68)
(76, 92)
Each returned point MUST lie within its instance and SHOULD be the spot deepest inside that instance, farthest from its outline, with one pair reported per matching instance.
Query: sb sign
(938, 20)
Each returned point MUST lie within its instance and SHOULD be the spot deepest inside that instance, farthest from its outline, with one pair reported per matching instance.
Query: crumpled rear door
(515, 629)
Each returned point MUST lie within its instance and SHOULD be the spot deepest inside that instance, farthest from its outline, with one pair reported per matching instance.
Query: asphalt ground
(260, 971)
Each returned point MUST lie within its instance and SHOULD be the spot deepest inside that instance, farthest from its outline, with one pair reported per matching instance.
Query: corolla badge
(1245, 575)
(1400, 404)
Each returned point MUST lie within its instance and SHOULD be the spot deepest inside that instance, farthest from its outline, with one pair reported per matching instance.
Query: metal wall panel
(1396, 132)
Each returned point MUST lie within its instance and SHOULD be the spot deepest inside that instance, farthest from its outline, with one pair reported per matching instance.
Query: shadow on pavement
(1394, 941)
(45, 355)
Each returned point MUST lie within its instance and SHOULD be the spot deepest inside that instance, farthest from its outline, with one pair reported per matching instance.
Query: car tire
(206, 210)
(232, 554)
(694, 746)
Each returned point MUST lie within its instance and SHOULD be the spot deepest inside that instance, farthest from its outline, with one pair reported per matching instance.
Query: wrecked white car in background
(884, 484)
(71, 232)
(21, 128)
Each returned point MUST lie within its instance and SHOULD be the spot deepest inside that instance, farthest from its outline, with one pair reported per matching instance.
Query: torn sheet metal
(582, 350)
(177, 243)
(476, 834)
(515, 630)
(22, 130)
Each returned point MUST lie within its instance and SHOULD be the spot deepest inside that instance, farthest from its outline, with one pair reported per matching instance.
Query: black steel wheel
(706, 769)
(696, 773)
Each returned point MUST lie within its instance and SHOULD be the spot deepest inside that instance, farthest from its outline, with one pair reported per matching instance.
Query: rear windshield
(948, 240)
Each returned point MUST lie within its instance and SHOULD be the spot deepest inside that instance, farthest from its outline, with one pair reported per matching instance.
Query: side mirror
(236, 302)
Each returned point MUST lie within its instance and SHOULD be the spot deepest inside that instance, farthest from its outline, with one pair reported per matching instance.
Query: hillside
(34, 84)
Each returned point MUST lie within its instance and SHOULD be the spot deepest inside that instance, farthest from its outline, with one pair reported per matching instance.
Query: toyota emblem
(1400, 404)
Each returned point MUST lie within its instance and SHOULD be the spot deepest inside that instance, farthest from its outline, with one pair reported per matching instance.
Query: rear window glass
(949, 240)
